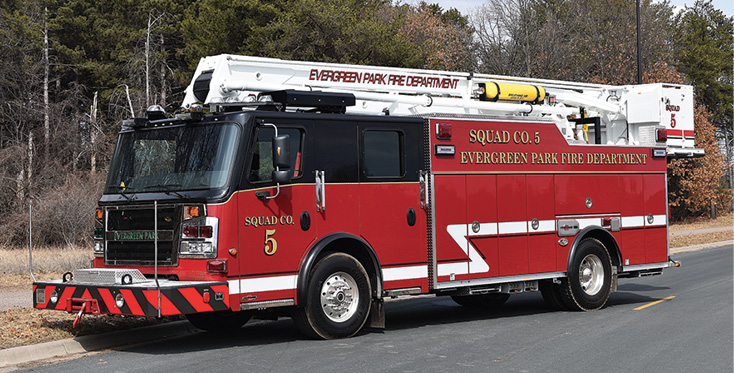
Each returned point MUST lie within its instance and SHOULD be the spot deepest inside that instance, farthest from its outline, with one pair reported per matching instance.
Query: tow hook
(83, 305)
(675, 264)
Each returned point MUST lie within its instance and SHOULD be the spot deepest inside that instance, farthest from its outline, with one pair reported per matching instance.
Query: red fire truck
(317, 190)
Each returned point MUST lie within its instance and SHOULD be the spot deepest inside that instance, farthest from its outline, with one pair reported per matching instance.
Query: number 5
(672, 120)
(271, 245)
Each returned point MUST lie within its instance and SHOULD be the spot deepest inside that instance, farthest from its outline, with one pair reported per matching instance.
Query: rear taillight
(661, 135)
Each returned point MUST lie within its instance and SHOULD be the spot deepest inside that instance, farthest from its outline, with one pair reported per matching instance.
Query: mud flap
(615, 280)
(377, 314)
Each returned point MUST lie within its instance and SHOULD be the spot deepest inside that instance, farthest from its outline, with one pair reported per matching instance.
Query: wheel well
(340, 243)
(605, 238)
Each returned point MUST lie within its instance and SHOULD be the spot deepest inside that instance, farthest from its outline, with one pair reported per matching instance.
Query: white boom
(628, 115)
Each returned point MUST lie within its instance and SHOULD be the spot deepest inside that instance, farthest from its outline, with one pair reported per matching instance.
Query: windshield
(171, 159)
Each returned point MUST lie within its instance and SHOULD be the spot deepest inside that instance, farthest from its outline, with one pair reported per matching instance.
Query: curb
(177, 329)
(88, 343)
(703, 246)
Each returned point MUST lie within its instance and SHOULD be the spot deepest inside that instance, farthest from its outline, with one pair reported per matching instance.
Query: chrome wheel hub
(339, 297)
(591, 274)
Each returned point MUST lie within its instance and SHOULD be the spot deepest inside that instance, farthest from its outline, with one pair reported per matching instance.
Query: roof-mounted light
(155, 112)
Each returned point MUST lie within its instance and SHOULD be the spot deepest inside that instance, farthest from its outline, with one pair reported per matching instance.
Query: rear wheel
(589, 277)
(481, 300)
(219, 321)
(338, 299)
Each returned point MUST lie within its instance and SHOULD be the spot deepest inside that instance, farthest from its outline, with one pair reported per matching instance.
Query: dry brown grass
(23, 326)
(47, 264)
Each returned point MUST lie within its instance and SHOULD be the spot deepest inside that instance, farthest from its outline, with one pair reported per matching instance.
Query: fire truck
(318, 190)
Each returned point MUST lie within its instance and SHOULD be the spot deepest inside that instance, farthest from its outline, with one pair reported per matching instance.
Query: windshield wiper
(121, 190)
(168, 189)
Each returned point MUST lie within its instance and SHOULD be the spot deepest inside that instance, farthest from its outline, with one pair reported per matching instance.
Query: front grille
(130, 235)
(128, 252)
(141, 219)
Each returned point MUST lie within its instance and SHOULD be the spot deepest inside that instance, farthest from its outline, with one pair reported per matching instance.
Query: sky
(466, 6)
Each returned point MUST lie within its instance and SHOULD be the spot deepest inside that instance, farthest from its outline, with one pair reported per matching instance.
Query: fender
(310, 260)
(595, 230)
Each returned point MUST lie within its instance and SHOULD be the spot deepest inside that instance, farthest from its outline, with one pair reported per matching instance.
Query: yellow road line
(654, 303)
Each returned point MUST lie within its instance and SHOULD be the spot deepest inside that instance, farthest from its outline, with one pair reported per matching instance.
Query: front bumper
(139, 299)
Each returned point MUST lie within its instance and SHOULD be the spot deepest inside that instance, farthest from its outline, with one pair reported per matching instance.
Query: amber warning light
(191, 212)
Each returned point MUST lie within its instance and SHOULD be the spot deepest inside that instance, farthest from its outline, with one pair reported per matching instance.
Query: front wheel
(589, 279)
(338, 299)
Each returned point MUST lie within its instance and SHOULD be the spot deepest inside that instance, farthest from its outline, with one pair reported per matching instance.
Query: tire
(219, 321)
(337, 299)
(552, 295)
(491, 300)
(589, 281)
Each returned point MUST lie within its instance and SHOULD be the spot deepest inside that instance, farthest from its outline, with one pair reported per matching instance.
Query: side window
(261, 166)
(383, 154)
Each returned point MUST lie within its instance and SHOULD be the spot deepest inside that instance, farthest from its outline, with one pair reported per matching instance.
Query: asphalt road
(691, 332)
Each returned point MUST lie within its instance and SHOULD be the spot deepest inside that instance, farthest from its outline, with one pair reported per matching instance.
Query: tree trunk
(93, 135)
(46, 121)
(163, 74)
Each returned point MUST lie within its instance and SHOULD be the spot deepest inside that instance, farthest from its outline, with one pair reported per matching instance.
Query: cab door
(272, 230)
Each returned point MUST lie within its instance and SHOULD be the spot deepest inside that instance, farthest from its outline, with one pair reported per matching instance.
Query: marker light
(216, 266)
(191, 212)
(119, 300)
(99, 214)
(190, 231)
(205, 231)
(443, 131)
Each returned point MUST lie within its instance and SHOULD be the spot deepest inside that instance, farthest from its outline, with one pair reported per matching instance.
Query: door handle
(320, 191)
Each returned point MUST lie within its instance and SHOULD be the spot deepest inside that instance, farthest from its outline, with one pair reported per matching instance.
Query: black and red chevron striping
(139, 300)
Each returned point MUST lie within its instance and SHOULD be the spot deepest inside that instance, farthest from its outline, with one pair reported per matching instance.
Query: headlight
(199, 237)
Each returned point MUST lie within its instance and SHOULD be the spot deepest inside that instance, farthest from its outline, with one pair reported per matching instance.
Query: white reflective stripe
(485, 229)
(633, 221)
(512, 227)
(583, 223)
(445, 269)
(459, 233)
(252, 285)
(404, 273)
(234, 286)
(656, 221)
(543, 226)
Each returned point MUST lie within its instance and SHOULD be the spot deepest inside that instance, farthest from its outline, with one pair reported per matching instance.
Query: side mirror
(282, 176)
(281, 152)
